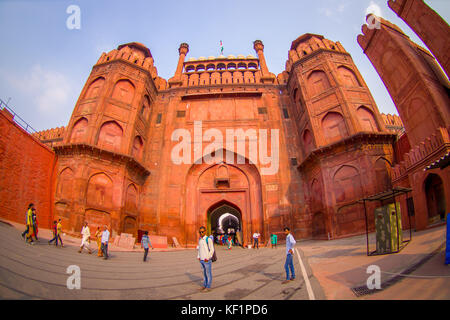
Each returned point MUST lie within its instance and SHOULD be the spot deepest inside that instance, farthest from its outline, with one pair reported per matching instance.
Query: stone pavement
(333, 268)
(39, 272)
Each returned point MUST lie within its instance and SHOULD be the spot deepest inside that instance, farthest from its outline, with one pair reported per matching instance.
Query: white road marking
(305, 276)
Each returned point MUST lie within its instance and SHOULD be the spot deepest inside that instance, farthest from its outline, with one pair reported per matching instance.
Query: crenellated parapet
(393, 122)
(51, 137)
(423, 153)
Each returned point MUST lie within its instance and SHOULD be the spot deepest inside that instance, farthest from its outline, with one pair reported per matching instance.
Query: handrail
(17, 119)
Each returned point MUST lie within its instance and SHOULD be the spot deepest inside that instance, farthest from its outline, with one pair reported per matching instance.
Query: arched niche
(131, 199)
(99, 191)
(123, 91)
(79, 130)
(348, 77)
(110, 136)
(307, 140)
(317, 82)
(64, 189)
(367, 119)
(347, 184)
(138, 147)
(94, 88)
(145, 110)
(382, 170)
(333, 127)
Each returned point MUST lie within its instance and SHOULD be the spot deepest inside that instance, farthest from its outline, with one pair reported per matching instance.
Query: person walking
(59, 232)
(55, 233)
(105, 240)
(98, 236)
(35, 223)
(30, 228)
(145, 242)
(229, 242)
(30, 208)
(205, 253)
(274, 240)
(256, 236)
(289, 264)
(86, 235)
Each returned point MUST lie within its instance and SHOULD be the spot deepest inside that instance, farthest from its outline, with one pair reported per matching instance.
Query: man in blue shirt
(145, 241)
(105, 240)
(289, 264)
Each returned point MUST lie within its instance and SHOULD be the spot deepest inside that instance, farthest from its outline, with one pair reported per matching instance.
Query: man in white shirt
(205, 253)
(86, 235)
(256, 236)
(289, 264)
(105, 239)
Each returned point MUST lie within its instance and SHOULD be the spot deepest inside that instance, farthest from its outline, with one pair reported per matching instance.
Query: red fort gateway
(113, 163)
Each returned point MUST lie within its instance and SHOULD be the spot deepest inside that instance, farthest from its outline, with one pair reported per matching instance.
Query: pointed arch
(124, 91)
(333, 126)
(110, 136)
(79, 130)
(347, 184)
(99, 191)
(367, 119)
(348, 77)
(317, 82)
(95, 88)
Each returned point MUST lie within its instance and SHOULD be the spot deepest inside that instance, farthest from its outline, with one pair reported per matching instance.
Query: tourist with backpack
(206, 255)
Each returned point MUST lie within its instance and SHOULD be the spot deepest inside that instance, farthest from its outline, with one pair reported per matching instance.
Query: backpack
(214, 257)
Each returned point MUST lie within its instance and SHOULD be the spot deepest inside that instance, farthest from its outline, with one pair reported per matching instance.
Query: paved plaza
(333, 268)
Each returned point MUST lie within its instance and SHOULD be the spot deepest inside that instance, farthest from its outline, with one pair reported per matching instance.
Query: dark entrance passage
(434, 190)
(224, 218)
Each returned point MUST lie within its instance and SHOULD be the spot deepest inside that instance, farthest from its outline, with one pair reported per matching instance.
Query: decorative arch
(99, 191)
(433, 187)
(318, 82)
(65, 184)
(129, 225)
(145, 110)
(131, 199)
(347, 184)
(383, 173)
(138, 147)
(333, 127)
(367, 119)
(307, 140)
(316, 196)
(94, 88)
(348, 77)
(79, 130)
(190, 68)
(110, 136)
(124, 91)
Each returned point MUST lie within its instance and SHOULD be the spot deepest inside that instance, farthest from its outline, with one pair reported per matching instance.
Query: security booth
(443, 163)
(388, 222)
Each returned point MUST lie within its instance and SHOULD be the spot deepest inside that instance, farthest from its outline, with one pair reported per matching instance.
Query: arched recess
(145, 110)
(435, 195)
(79, 130)
(383, 171)
(131, 199)
(347, 184)
(138, 148)
(94, 88)
(110, 136)
(123, 91)
(367, 119)
(348, 77)
(317, 203)
(307, 141)
(64, 189)
(334, 128)
(99, 191)
(129, 225)
(317, 82)
(220, 211)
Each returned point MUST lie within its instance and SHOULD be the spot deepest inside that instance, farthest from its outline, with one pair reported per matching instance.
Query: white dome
(202, 58)
(211, 58)
(241, 56)
(221, 57)
(250, 57)
(192, 59)
(231, 57)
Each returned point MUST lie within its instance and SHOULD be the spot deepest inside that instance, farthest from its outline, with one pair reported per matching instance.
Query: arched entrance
(129, 225)
(224, 218)
(434, 191)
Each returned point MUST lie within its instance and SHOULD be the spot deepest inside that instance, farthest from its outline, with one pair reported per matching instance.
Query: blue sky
(44, 65)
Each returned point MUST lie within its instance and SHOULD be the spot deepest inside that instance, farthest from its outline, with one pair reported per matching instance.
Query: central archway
(223, 216)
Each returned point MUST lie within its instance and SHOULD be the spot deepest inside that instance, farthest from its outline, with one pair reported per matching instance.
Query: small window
(285, 113)
(294, 161)
(262, 110)
(158, 118)
(181, 114)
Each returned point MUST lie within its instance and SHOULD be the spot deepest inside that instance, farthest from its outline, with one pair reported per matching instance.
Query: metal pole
(367, 227)
(396, 221)
(409, 219)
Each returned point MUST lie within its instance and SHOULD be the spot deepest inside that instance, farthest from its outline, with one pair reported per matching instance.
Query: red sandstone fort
(112, 163)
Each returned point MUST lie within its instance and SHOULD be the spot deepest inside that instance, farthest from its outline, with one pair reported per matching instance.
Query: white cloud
(375, 9)
(50, 90)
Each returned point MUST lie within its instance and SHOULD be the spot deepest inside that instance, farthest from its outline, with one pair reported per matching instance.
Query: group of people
(206, 252)
(102, 239)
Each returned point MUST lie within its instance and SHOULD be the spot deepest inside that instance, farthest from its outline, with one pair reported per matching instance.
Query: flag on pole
(221, 47)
